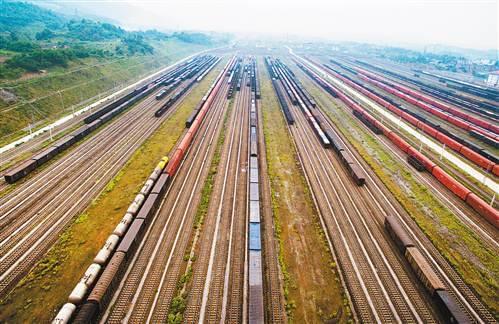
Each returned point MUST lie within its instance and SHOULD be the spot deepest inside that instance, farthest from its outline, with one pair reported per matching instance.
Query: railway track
(232, 304)
(35, 143)
(38, 210)
(408, 79)
(150, 281)
(486, 194)
(379, 284)
(462, 210)
(273, 290)
(469, 302)
(213, 274)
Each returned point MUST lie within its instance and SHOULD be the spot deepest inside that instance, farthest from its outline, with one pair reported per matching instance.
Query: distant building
(493, 79)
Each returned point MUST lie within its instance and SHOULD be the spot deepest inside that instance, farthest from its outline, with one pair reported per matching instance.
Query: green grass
(312, 289)
(477, 264)
(42, 292)
(86, 80)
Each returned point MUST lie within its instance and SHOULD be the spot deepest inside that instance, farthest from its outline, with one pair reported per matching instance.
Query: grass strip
(312, 289)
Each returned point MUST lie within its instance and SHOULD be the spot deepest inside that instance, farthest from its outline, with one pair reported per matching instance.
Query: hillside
(34, 39)
(50, 63)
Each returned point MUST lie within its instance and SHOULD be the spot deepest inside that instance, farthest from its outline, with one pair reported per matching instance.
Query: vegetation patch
(38, 297)
(313, 291)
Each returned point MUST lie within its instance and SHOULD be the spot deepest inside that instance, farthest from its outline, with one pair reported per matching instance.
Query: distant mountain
(28, 22)
(33, 38)
(23, 17)
(117, 13)
(466, 52)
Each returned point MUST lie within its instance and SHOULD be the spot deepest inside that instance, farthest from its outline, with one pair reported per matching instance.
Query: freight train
(482, 158)
(24, 168)
(196, 69)
(283, 103)
(280, 96)
(285, 80)
(444, 302)
(326, 136)
(485, 92)
(234, 78)
(255, 266)
(450, 96)
(139, 210)
(305, 95)
(455, 116)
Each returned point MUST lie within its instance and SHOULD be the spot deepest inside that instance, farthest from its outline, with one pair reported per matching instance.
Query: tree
(44, 34)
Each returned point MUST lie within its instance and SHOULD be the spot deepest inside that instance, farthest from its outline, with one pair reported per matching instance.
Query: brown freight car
(423, 270)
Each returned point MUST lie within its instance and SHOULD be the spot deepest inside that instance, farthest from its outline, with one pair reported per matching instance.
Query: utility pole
(62, 101)
(442, 152)
(31, 123)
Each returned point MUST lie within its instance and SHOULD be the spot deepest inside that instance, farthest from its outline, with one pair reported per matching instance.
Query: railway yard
(254, 185)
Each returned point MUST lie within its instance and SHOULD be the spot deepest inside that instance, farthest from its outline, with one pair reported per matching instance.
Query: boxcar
(415, 163)
(161, 94)
(423, 270)
(254, 211)
(253, 162)
(81, 132)
(253, 175)
(149, 207)
(110, 278)
(451, 312)
(255, 243)
(20, 171)
(46, 155)
(357, 174)
(335, 140)
(345, 157)
(88, 313)
(160, 186)
(94, 125)
(65, 142)
(254, 194)
(397, 233)
(191, 118)
(255, 283)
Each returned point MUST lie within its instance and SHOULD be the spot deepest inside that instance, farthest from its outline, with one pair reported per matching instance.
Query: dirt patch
(31, 75)
(7, 96)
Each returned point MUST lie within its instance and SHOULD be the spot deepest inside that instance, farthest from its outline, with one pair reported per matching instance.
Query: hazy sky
(468, 23)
